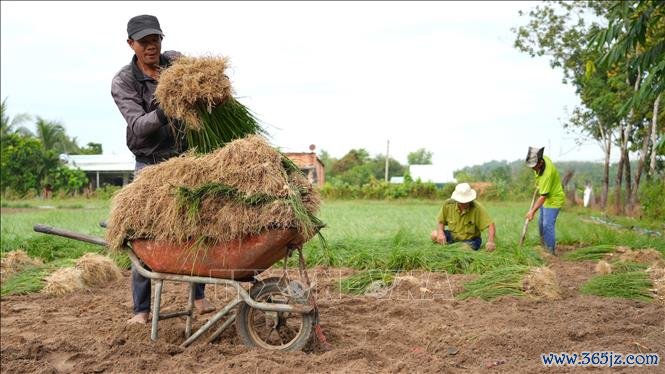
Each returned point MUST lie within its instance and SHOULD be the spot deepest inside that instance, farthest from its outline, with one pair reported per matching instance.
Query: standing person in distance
(551, 196)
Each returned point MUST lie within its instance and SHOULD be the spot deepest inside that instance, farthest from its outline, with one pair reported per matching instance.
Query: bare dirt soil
(417, 327)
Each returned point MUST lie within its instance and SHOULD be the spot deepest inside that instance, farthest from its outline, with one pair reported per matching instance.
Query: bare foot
(141, 318)
(203, 306)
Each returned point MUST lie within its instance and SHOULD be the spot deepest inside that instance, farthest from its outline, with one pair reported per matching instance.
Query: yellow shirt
(464, 225)
(549, 184)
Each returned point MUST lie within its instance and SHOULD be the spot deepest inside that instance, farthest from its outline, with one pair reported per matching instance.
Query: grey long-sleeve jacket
(149, 137)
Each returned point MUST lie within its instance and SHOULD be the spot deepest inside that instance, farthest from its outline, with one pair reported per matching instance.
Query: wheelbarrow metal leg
(227, 323)
(212, 321)
(190, 309)
(156, 307)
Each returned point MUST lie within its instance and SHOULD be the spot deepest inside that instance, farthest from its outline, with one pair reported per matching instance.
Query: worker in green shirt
(551, 196)
(465, 219)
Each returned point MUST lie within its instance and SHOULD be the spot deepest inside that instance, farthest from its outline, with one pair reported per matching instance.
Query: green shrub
(107, 191)
(651, 198)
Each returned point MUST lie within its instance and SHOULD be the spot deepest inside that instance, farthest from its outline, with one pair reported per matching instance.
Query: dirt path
(405, 331)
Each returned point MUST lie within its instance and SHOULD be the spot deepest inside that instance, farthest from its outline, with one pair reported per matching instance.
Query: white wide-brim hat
(463, 193)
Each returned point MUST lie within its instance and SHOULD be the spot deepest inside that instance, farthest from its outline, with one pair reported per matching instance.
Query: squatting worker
(151, 136)
(465, 219)
(551, 197)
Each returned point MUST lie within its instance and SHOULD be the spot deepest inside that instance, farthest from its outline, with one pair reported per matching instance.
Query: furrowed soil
(417, 326)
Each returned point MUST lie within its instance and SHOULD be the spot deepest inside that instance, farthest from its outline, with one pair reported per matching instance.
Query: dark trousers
(141, 292)
(473, 242)
(141, 285)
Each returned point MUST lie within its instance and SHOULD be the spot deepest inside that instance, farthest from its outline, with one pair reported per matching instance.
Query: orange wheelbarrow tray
(229, 264)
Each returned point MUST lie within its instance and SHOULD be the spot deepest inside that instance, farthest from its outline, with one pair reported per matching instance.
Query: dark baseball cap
(142, 26)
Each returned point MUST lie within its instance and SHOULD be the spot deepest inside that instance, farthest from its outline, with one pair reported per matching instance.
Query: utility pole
(387, 158)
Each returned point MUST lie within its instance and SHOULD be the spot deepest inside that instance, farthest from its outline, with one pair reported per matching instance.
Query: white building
(103, 169)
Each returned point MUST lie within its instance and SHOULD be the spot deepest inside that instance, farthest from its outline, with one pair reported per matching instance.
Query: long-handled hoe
(526, 221)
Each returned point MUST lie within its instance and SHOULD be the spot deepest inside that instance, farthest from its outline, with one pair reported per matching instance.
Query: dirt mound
(643, 256)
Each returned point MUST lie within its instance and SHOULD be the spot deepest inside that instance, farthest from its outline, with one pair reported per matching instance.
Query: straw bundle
(238, 190)
(97, 270)
(197, 91)
(541, 282)
(603, 267)
(15, 261)
(192, 83)
(63, 281)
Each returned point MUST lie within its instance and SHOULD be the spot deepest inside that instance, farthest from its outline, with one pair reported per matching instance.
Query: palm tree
(9, 125)
(53, 136)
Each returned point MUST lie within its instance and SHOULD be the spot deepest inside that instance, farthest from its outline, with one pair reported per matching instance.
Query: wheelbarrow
(276, 313)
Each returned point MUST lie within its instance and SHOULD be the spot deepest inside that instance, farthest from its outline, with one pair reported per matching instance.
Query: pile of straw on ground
(238, 190)
(603, 267)
(15, 261)
(63, 281)
(541, 282)
(97, 270)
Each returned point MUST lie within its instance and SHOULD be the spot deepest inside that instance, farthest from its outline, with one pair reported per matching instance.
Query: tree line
(30, 163)
(613, 54)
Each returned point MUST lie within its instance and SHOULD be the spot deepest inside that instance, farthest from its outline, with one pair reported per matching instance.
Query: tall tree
(635, 37)
(420, 157)
(54, 138)
(560, 31)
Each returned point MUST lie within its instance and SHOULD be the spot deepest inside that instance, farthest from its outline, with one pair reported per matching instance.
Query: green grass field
(365, 235)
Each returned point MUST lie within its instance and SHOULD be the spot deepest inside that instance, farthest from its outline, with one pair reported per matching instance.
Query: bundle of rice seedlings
(627, 266)
(629, 285)
(503, 281)
(367, 259)
(97, 270)
(63, 281)
(244, 188)
(459, 259)
(603, 267)
(15, 261)
(358, 284)
(401, 259)
(197, 91)
(596, 252)
(541, 282)
(657, 275)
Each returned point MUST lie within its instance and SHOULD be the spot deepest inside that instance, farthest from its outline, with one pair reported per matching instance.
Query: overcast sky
(437, 75)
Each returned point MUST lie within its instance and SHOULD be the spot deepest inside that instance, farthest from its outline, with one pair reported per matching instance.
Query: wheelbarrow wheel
(273, 330)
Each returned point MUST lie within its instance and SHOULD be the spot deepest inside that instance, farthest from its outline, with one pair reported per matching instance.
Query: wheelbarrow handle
(69, 234)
